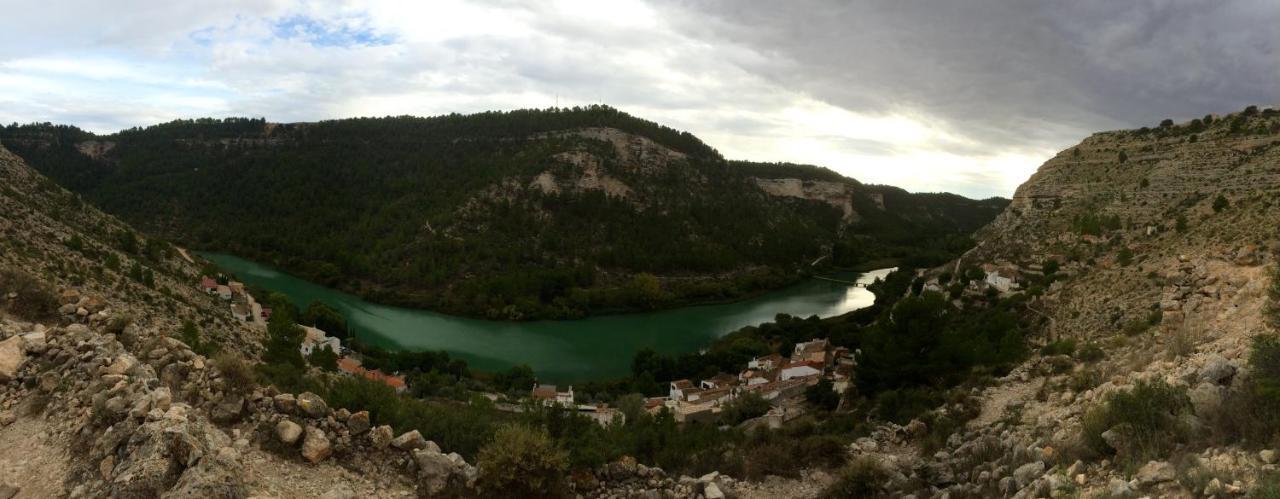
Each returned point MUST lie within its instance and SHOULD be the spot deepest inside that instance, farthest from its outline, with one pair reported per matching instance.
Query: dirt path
(268, 476)
(30, 461)
(997, 399)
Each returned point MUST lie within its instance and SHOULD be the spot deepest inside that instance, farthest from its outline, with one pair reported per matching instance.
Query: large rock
(1027, 473)
(1155, 472)
(358, 423)
(229, 410)
(712, 491)
(1217, 370)
(286, 403)
(1206, 398)
(315, 446)
(439, 474)
(380, 437)
(409, 441)
(312, 405)
(12, 356)
(288, 432)
(171, 456)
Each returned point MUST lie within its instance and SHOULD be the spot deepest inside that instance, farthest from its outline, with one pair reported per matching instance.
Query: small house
(224, 291)
(816, 350)
(208, 285)
(679, 389)
(314, 338)
(549, 396)
(795, 370)
(765, 363)
(241, 312)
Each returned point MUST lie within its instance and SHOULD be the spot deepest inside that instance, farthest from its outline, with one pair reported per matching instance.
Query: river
(565, 351)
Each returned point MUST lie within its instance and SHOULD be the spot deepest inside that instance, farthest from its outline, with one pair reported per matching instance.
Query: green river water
(560, 351)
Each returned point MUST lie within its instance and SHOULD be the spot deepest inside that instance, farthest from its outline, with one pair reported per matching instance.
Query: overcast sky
(962, 96)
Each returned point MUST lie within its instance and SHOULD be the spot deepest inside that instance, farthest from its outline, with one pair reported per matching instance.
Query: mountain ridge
(461, 205)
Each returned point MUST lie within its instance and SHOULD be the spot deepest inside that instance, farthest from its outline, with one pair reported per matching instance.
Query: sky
(959, 96)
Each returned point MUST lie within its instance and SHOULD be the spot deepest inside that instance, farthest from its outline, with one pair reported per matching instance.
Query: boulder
(409, 441)
(380, 437)
(12, 356)
(315, 446)
(121, 365)
(229, 410)
(312, 405)
(1027, 473)
(70, 297)
(7, 418)
(285, 403)
(1155, 472)
(1268, 456)
(712, 491)
(1206, 398)
(440, 475)
(1217, 370)
(1119, 488)
(358, 423)
(288, 432)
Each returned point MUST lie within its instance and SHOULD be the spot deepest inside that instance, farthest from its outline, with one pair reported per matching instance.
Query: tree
(1166, 123)
(284, 339)
(521, 461)
(1125, 257)
(822, 395)
(1220, 203)
(1123, 157)
(325, 318)
(631, 405)
(1181, 223)
(324, 359)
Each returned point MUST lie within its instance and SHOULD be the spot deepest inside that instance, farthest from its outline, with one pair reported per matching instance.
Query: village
(245, 308)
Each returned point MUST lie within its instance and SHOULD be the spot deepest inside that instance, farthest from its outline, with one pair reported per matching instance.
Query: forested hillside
(513, 215)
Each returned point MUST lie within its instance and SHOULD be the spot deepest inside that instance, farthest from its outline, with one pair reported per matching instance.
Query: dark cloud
(1011, 71)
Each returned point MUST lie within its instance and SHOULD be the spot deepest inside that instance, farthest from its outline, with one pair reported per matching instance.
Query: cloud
(966, 97)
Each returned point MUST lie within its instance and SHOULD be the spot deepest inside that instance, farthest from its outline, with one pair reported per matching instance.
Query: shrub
(748, 406)
(236, 374)
(822, 450)
(522, 461)
(1066, 346)
(32, 299)
(862, 478)
(1136, 327)
(1220, 203)
(776, 456)
(900, 406)
(1147, 419)
(1090, 352)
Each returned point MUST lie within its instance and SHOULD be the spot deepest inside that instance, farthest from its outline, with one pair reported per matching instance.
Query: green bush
(1268, 487)
(863, 478)
(236, 374)
(522, 461)
(749, 405)
(1090, 352)
(1147, 417)
(1066, 346)
(32, 299)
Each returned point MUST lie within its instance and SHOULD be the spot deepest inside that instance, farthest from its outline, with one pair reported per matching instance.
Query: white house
(679, 388)
(1004, 279)
(798, 370)
(548, 395)
(224, 292)
(316, 338)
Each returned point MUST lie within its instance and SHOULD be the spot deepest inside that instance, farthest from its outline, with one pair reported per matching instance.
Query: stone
(358, 423)
(1217, 370)
(440, 474)
(315, 446)
(1155, 472)
(288, 432)
(409, 441)
(285, 403)
(312, 405)
(70, 297)
(917, 428)
(229, 410)
(340, 492)
(12, 357)
(7, 418)
(1027, 473)
(1268, 456)
(1205, 398)
(8, 491)
(121, 365)
(712, 491)
(1119, 488)
(380, 437)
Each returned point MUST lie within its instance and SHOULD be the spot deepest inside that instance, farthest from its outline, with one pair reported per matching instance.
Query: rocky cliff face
(1166, 241)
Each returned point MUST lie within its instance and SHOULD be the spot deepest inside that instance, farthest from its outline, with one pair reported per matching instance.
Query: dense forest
(507, 215)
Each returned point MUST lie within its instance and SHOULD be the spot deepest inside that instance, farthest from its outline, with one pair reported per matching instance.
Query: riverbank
(565, 351)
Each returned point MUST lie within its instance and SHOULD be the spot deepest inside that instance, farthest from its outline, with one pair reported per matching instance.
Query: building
(350, 366)
(315, 338)
(721, 380)
(1004, 278)
(548, 395)
(795, 370)
(818, 351)
(654, 405)
(602, 414)
(237, 288)
(751, 377)
(224, 292)
(765, 363)
(266, 313)
(208, 285)
(679, 389)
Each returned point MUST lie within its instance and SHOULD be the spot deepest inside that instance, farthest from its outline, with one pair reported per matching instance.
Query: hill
(513, 215)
